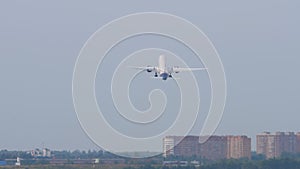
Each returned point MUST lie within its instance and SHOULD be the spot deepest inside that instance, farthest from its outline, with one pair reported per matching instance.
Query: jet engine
(149, 69)
(175, 69)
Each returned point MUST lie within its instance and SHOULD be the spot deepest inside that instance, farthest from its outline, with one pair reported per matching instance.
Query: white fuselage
(162, 67)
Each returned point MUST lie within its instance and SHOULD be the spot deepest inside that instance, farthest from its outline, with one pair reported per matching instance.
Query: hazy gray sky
(258, 42)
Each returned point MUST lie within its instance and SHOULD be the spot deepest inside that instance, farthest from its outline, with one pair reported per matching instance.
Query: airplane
(163, 71)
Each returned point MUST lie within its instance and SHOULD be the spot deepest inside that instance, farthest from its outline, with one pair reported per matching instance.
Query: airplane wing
(139, 67)
(179, 69)
(146, 68)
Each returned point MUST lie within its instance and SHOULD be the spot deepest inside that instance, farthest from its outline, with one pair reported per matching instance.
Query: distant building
(168, 144)
(188, 146)
(273, 145)
(41, 153)
(215, 148)
(46, 152)
(238, 147)
(298, 142)
(18, 163)
(288, 142)
(36, 153)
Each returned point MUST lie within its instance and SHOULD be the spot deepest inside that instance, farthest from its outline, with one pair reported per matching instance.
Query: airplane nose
(164, 76)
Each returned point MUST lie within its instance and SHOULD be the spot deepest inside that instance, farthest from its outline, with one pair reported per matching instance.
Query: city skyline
(216, 147)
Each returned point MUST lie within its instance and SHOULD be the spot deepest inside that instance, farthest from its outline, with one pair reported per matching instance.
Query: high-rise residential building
(273, 145)
(261, 143)
(298, 142)
(214, 148)
(169, 143)
(289, 142)
(238, 147)
(189, 146)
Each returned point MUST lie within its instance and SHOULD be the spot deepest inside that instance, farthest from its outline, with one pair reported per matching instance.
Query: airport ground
(281, 163)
